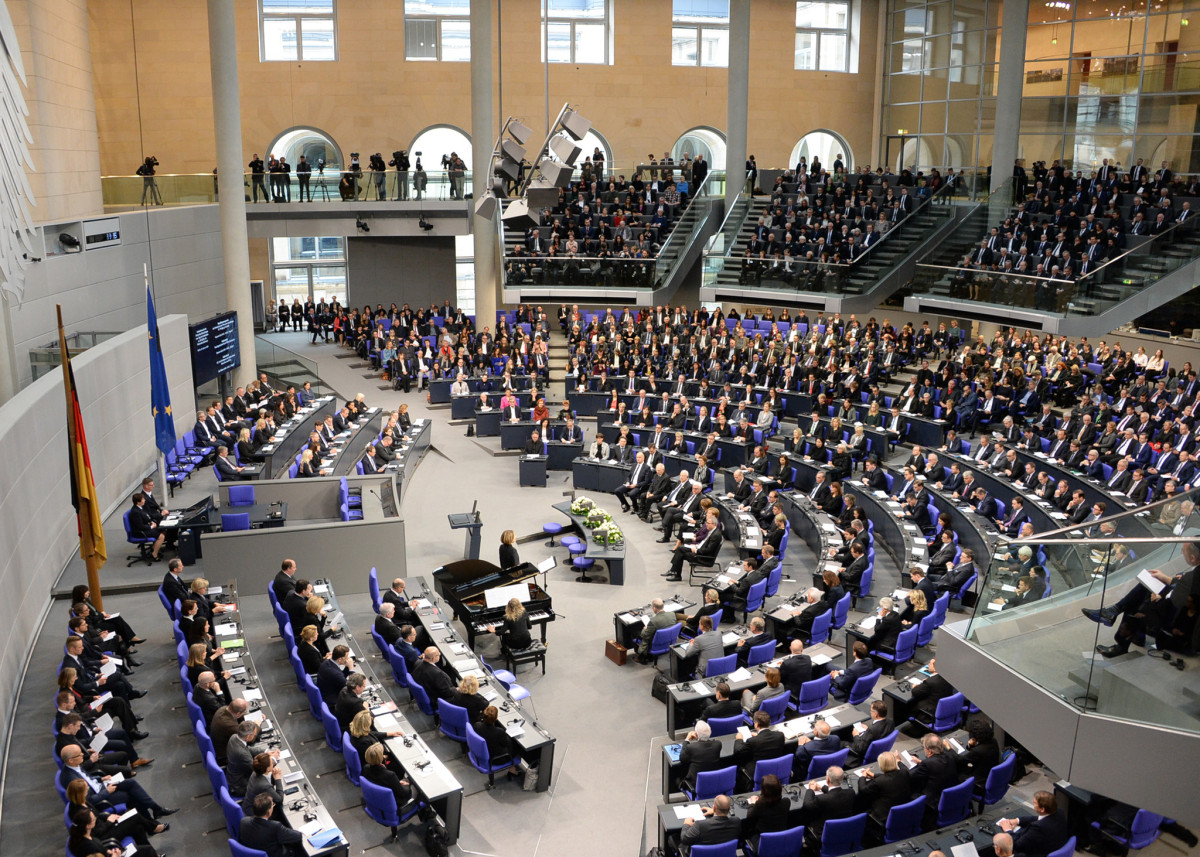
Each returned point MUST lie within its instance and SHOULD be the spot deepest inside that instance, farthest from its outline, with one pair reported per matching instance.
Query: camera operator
(420, 180)
(273, 170)
(378, 169)
(149, 185)
(355, 172)
(285, 180)
(303, 173)
(257, 171)
(347, 187)
(401, 163)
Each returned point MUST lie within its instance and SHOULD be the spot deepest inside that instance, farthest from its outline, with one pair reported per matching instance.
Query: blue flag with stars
(160, 395)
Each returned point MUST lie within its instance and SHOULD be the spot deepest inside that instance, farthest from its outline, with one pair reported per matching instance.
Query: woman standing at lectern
(508, 550)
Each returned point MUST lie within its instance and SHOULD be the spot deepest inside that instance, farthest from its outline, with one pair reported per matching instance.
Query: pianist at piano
(465, 586)
(514, 629)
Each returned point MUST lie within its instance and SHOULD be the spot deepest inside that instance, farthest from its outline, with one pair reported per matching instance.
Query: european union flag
(160, 395)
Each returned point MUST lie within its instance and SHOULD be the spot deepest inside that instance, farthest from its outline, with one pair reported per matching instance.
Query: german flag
(83, 487)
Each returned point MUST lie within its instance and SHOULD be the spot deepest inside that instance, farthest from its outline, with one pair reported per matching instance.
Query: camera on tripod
(377, 162)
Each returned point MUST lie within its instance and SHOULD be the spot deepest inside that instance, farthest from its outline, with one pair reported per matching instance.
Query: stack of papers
(820, 660)
(729, 637)
(692, 811)
(741, 674)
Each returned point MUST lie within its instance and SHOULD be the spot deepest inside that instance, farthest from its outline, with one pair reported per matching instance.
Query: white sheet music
(500, 595)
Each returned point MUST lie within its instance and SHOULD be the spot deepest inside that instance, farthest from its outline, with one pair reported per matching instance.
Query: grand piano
(464, 585)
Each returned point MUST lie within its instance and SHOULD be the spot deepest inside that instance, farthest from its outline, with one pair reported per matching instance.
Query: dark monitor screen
(215, 348)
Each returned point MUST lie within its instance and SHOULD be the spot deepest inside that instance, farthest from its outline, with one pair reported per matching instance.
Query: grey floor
(608, 727)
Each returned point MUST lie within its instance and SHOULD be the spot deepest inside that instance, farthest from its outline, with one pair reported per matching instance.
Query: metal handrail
(1041, 538)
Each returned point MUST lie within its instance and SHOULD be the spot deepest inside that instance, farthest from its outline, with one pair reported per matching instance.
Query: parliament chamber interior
(751, 428)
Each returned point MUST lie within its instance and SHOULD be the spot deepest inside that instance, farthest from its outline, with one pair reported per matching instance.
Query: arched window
(314, 144)
(824, 145)
(588, 144)
(701, 141)
(437, 141)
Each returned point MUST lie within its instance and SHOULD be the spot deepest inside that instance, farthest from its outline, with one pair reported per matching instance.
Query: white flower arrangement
(582, 506)
(608, 534)
(596, 517)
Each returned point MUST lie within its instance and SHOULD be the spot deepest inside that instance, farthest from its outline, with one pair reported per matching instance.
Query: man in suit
(983, 753)
(207, 695)
(227, 468)
(296, 604)
(723, 705)
(636, 484)
(659, 619)
(935, 773)
(431, 677)
(705, 646)
(259, 831)
(700, 752)
(239, 756)
(173, 586)
(705, 543)
(676, 517)
(284, 582)
(384, 626)
(225, 725)
(333, 673)
(880, 726)
(887, 627)
(843, 680)
(741, 589)
(659, 487)
(828, 802)
(99, 788)
(764, 743)
(802, 618)
(796, 668)
(955, 577)
(717, 826)
(821, 743)
(928, 693)
(919, 581)
(1038, 835)
(878, 793)
(758, 636)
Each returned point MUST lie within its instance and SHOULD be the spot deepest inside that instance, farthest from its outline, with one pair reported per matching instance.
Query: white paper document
(1151, 582)
(740, 674)
(692, 811)
(820, 660)
(252, 694)
(729, 637)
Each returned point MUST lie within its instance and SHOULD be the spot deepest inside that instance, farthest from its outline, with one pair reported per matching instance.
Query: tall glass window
(700, 33)
(577, 31)
(309, 267)
(823, 36)
(297, 30)
(437, 30)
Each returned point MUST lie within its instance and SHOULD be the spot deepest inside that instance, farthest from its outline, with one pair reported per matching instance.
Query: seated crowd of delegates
(1065, 226)
(605, 230)
(94, 744)
(810, 224)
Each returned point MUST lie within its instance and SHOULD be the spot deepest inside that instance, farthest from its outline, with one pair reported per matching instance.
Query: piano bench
(533, 654)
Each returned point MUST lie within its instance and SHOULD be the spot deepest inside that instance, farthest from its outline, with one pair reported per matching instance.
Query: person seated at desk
(843, 680)
(307, 470)
(239, 756)
(82, 841)
(264, 779)
(982, 752)
(935, 773)
(928, 693)
(822, 742)
(142, 526)
(887, 627)
(246, 450)
(1025, 594)
(892, 786)
(954, 578)
(534, 445)
(764, 743)
(500, 745)
(717, 826)
(1037, 835)
(467, 696)
(261, 832)
(686, 513)
(834, 591)
(827, 802)
(751, 575)
(758, 636)
(691, 624)
(704, 646)
(599, 449)
(310, 657)
(851, 575)
(752, 701)
(375, 771)
(385, 627)
(333, 673)
(920, 583)
(460, 386)
(865, 733)
(431, 677)
(917, 609)
(385, 453)
(514, 631)
(314, 614)
(722, 705)
(768, 813)
(796, 668)
(363, 734)
(802, 617)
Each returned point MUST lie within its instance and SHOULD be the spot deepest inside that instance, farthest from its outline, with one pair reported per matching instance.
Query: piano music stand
(469, 521)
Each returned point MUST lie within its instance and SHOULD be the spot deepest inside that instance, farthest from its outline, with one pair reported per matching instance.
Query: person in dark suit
(828, 802)
(263, 833)
(752, 576)
(706, 543)
(349, 700)
(795, 669)
(228, 469)
(1038, 835)
(264, 780)
(384, 626)
(935, 773)
(311, 658)
(881, 725)
(768, 813)
(712, 603)
(717, 826)
(802, 618)
(983, 753)
(878, 793)
(765, 743)
(843, 680)
(239, 757)
(928, 693)
(499, 744)
(660, 485)
(296, 604)
(955, 577)
(375, 772)
(333, 673)
(633, 487)
(284, 582)
(467, 696)
(205, 695)
(822, 743)
(173, 586)
(509, 558)
(925, 586)
(142, 526)
(722, 705)
(700, 752)
(887, 627)
(431, 677)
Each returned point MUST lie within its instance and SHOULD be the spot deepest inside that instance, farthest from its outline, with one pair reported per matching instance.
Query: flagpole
(87, 545)
(160, 474)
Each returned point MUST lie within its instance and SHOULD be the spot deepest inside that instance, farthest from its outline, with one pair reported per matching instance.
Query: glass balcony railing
(287, 366)
(1103, 620)
(330, 186)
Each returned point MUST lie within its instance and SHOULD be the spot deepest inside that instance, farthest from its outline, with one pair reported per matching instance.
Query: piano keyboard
(536, 618)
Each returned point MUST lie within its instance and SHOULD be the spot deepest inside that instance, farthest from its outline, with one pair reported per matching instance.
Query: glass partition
(1099, 618)
(287, 366)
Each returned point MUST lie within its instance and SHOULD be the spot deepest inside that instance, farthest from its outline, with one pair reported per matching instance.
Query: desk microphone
(376, 493)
